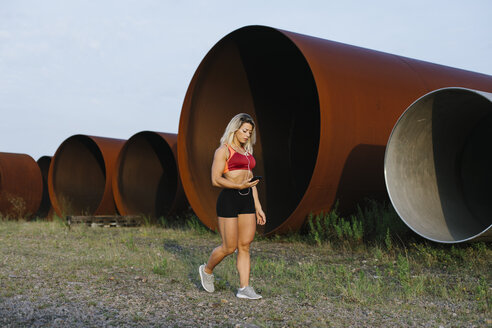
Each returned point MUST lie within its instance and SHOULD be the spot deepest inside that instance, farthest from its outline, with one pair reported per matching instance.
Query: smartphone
(257, 177)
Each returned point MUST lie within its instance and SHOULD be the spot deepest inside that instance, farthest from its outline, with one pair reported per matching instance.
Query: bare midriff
(238, 176)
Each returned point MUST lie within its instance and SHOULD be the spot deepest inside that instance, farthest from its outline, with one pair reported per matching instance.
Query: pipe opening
(259, 71)
(79, 176)
(147, 176)
(437, 165)
(45, 206)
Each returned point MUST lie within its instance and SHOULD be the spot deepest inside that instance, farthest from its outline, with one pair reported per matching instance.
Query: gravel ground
(149, 301)
(148, 307)
(38, 293)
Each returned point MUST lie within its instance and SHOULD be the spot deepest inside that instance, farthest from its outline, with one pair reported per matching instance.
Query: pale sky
(113, 68)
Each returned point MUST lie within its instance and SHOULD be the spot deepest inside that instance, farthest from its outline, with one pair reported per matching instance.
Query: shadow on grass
(192, 258)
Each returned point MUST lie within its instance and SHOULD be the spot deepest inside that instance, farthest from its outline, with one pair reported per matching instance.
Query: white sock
(241, 289)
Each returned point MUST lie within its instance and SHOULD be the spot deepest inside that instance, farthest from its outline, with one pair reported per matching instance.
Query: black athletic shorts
(231, 203)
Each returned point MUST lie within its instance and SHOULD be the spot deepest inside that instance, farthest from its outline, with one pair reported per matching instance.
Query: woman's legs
(246, 227)
(228, 228)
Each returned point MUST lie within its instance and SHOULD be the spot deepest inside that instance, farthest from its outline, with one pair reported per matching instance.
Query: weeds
(161, 268)
(16, 207)
(60, 221)
(381, 221)
(403, 272)
(163, 221)
(194, 224)
(148, 221)
(130, 243)
(483, 294)
(387, 240)
(374, 223)
(330, 226)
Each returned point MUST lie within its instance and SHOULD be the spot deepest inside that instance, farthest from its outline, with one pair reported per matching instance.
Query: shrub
(373, 222)
(331, 226)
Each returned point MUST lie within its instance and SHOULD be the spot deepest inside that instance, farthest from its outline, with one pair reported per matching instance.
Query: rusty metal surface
(45, 209)
(79, 180)
(21, 185)
(438, 165)
(324, 111)
(146, 179)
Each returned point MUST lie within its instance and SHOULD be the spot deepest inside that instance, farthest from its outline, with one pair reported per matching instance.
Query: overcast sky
(116, 67)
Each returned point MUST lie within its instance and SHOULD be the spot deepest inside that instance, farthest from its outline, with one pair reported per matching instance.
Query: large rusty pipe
(438, 165)
(45, 209)
(79, 180)
(324, 111)
(146, 179)
(21, 186)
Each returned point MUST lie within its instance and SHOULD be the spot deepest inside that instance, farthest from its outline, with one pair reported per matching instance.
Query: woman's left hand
(260, 217)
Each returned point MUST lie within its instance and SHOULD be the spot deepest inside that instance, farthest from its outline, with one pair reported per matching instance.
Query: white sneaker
(248, 292)
(207, 279)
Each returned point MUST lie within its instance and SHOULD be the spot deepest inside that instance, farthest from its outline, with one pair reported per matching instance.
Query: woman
(238, 206)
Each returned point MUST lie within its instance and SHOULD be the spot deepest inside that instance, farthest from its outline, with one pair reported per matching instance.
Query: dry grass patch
(147, 276)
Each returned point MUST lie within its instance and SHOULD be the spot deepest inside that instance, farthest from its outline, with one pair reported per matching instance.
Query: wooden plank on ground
(106, 220)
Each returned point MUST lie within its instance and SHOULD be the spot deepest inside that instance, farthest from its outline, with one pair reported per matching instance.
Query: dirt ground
(107, 278)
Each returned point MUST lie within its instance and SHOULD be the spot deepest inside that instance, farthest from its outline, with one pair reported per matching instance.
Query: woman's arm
(260, 215)
(218, 165)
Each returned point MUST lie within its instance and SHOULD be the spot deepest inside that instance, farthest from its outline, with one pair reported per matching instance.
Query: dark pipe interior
(438, 165)
(362, 178)
(44, 165)
(260, 72)
(79, 176)
(476, 171)
(461, 136)
(147, 175)
(287, 109)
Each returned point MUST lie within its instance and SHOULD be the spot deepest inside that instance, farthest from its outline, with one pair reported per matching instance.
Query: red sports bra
(237, 161)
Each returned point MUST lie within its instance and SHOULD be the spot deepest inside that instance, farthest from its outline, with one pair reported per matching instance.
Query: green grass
(373, 223)
(161, 268)
(347, 269)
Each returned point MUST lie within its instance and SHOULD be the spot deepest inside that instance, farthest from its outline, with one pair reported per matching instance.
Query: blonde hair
(234, 125)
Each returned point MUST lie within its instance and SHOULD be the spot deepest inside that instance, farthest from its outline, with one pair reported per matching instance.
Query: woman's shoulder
(223, 150)
(222, 147)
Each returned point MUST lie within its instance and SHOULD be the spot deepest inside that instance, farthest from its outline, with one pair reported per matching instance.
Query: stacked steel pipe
(324, 111)
(79, 180)
(21, 186)
(146, 179)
